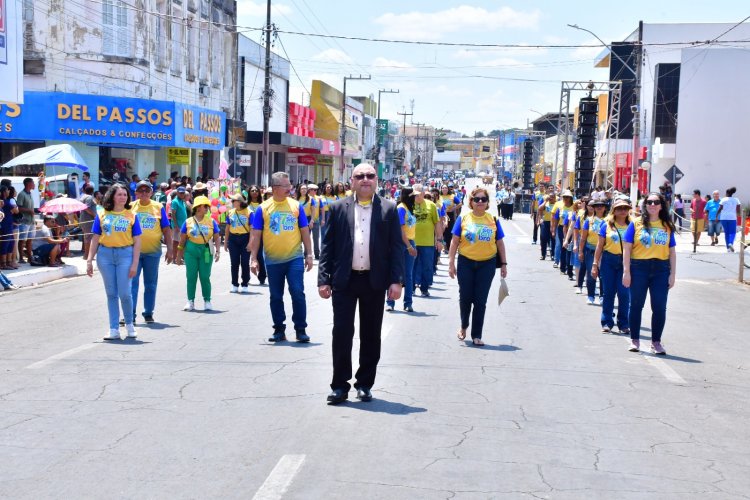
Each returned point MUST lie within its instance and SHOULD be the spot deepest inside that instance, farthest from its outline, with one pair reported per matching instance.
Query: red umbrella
(62, 206)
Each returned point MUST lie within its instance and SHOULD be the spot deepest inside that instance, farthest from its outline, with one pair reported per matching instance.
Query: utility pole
(404, 114)
(343, 115)
(636, 117)
(377, 125)
(418, 162)
(265, 176)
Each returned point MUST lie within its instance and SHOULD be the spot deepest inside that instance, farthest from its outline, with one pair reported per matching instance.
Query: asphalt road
(201, 406)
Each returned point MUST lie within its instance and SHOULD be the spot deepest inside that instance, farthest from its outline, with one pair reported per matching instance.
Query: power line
(730, 29)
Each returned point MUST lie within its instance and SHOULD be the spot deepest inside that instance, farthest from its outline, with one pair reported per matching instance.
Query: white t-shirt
(729, 208)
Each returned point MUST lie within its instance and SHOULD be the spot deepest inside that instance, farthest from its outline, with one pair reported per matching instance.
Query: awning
(284, 139)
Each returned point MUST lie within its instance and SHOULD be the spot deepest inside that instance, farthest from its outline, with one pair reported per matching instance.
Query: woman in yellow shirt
(195, 252)
(589, 240)
(408, 232)
(116, 243)
(649, 263)
(608, 265)
(545, 220)
(478, 239)
(236, 240)
(255, 198)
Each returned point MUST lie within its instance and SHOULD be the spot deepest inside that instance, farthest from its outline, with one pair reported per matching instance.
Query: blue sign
(111, 120)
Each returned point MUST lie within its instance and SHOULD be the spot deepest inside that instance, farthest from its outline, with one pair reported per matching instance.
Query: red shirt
(698, 207)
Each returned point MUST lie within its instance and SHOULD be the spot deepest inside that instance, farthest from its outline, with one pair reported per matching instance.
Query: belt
(360, 272)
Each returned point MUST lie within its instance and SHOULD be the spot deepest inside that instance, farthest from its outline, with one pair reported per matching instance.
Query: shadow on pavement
(488, 347)
(383, 406)
(418, 314)
(680, 358)
(125, 341)
(158, 326)
(292, 343)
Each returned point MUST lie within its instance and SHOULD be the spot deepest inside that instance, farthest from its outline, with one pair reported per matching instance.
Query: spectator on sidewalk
(87, 216)
(698, 214)
(714, 226)
(728, 214)
(46, 249)
(179, 209)
(7, 238)
(26, 229)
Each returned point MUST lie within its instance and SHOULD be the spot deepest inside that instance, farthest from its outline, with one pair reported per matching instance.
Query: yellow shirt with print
(547, 214)
(149, 217)
(410, 222)
(239, 221)
(282, 239)
(613, 234)
(116, 229)
(593, 225)
(307, 207)
(478, 240)
(649, 244)
(199, 232)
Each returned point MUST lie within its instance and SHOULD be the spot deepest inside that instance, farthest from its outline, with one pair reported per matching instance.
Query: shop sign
(178, 156)
(325, 162)
(111, 120)
(246, 161)
(11, 52)
(306, 159)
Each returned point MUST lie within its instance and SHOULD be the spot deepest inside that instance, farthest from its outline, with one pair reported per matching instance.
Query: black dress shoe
(302, 337)
(277, 337)
(337, 396)
(364, 394)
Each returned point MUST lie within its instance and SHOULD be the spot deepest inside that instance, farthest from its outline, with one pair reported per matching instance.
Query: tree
(494, 133)
(440, 140)
(479, 134)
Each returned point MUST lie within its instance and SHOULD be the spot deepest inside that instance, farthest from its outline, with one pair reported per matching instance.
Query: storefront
(116, 136)
(327, 159)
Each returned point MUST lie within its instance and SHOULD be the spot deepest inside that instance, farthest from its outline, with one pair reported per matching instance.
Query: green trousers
(197, 267)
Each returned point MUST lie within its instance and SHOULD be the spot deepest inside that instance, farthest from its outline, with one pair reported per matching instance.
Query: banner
(11, 52)
(178, 156)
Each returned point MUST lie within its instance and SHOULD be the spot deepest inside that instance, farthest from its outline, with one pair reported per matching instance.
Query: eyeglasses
(480, 199)
(653, 202)
(143, 191)
(360, 177)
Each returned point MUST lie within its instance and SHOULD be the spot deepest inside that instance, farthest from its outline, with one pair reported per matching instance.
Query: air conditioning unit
(204, 90)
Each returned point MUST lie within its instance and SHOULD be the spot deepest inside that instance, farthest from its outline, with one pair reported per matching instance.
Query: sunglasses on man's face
(141, 191)
(480, 199)
(360, 177)
(653, 202)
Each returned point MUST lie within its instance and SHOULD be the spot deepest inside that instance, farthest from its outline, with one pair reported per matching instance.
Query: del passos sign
(111, 120)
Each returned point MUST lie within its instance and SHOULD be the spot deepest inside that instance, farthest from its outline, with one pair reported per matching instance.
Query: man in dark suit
(361, 258)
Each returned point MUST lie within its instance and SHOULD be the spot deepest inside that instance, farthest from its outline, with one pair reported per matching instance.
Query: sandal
(461, 334)
(477, 342)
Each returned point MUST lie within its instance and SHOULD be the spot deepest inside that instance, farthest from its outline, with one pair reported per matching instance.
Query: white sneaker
(601, 300)
(132, 333)
(114, 334)
(189, 306)
(579, 291)
(590, 301)
(207, 306)
(234, 289)
(244, 289)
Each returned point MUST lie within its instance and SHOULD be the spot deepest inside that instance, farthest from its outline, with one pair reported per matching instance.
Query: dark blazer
(386, 245)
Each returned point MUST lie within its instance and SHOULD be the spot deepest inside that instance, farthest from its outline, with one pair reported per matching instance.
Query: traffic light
(588, 111)
(528, 161)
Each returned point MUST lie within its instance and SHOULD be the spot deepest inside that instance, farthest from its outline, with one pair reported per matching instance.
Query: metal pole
(377, 124)
(343, 115)
(743, 245)
(636, 117)
(265, 167)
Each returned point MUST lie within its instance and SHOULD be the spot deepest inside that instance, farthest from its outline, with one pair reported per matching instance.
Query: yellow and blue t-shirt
(239, 221)
(478, 236)
(449, 201)
(152, 219)
(281, 223)
(307, 207)
(200, 232)
(547, 214)
(652, 243)
(427, 217)
(559, 211)
(613, 237)
(407, 219)
(116, 229)
(593, 225)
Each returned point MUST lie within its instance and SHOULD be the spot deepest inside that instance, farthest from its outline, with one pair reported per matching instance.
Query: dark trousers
(448, 231)
(262, 275)
(316, 239)
(588, 263)
(371, 304)
(546, 237)
(610, 271)
(508, 207)
(564, 254)
(474, 281)
(535, 234)
(648, 276)
(239, 257)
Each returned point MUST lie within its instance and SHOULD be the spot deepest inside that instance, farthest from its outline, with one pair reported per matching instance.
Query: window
(176, 66)
(204, 41)
(28, 24)
(160, 35)
(115, 36)
(192, 49)
(229, 61)
(217, 48)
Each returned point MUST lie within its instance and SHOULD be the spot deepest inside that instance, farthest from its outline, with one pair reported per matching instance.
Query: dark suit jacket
(386, 245)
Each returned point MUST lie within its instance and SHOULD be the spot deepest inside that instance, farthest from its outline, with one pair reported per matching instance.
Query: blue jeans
(558, 244)
(149, 264)
(114, 265)
(474, 281)
(423, 267)
(293, 273)
(408, 279)
(4, 281)
(610, 271)
(652, 276)
(714, 228)
(730, 231)
(563, 251)
(588, 260)
(546, 237)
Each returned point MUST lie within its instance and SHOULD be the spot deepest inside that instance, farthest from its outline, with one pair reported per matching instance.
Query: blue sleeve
(183, 229)
(217, 230)
(302, 219)
(441, 211)
(136, 227)
(97, 227)
(603, 230)
(629, 235)
(457, 200)
(586, 224)
(500, 234)
(258, 219)
(556, 214)
(672, 242)
(457, 227)
(402, 216)
(164, 219)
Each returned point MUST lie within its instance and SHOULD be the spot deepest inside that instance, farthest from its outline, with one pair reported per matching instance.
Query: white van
(63, 183)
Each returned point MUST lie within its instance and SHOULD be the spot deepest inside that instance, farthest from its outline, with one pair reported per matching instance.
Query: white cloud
(469, 54)
(333, 55)
(384, 65)
(465, 18)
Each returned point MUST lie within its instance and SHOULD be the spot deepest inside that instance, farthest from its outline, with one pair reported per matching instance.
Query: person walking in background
(679, 212)
(713, 223)
(698, 215)
(560, 219)
(236, 241)
(152, 217)
(254, 200)
(608, 265)
(730, 211)
(452, 204)
(428, 235)
(282, 224)
(361, 258)
(590, 229)
(315, 203)
(116, 244)
(86, 219)
(478, 239)
(545, 219)
(179, 208)
(27, 227)
(195, 252)
(408, 233)
(649, 263)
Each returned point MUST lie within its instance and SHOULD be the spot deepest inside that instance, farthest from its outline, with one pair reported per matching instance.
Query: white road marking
(57, 357)
(518, 228)
(694, 282)
(280, 478)
(665, 370)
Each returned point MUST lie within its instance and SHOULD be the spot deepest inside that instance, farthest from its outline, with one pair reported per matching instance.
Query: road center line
(280, 478)
(518, 228)
(665, 370)
(57, 357)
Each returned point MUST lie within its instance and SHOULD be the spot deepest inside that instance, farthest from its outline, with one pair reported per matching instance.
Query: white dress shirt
(361, 251)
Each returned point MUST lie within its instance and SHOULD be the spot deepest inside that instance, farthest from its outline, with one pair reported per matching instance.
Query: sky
(465, 89)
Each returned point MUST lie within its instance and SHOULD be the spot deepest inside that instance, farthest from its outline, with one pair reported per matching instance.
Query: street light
(557, 129)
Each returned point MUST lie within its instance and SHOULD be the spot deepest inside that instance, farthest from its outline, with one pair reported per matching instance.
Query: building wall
(254, 56)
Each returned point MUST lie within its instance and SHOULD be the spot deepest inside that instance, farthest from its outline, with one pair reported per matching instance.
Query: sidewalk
(27, 275)
(724, 265)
